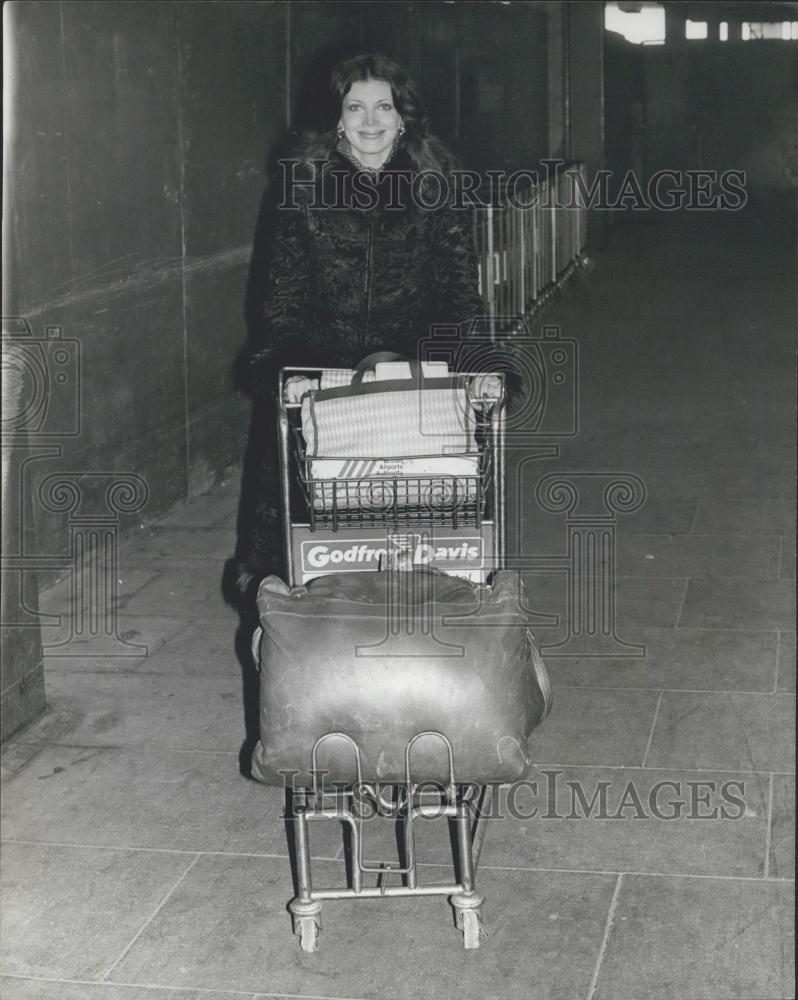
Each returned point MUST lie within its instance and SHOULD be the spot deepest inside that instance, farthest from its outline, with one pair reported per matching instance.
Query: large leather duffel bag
(384, 656)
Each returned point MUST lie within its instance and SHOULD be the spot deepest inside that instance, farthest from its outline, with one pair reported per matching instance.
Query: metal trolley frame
(478, 507)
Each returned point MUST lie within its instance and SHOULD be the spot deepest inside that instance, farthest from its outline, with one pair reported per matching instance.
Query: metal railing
(525, 253)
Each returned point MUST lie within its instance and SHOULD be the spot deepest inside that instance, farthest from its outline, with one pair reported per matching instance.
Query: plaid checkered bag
(334, 378)
(397, 417)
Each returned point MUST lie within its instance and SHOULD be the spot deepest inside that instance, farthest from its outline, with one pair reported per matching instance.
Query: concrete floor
(139, 865)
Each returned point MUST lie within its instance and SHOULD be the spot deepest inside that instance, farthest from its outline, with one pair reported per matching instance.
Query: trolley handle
(485, 388)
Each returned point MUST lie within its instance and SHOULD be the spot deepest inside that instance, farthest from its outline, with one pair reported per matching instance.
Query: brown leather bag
(383, 656)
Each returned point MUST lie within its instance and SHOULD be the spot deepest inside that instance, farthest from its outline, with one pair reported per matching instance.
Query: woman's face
(370, 121)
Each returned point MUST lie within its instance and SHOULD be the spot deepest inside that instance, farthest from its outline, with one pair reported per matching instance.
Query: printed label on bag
(364, 468)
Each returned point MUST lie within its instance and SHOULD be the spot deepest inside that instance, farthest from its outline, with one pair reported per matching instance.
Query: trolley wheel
(472, 928)
(306, 918)
(308, 932)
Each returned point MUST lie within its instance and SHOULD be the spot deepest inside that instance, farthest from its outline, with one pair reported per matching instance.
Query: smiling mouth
(371, 135)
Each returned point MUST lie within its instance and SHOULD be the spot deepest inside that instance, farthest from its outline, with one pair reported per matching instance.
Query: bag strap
(368, 364)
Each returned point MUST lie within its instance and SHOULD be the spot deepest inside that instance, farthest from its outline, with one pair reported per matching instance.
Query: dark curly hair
(425, 151)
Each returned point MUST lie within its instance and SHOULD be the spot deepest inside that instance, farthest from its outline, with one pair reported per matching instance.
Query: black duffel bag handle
(369, 363)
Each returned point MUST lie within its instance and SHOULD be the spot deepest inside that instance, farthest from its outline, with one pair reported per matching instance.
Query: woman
(369, 252)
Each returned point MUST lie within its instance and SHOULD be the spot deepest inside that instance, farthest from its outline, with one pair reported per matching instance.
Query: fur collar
(344, 147)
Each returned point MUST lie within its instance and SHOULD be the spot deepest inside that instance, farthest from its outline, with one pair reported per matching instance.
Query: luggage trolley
(381, 519)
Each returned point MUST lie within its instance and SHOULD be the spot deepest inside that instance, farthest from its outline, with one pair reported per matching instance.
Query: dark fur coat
(358, 266)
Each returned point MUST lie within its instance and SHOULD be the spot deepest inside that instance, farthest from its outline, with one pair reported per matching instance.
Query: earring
(401, 128)
(340, 131)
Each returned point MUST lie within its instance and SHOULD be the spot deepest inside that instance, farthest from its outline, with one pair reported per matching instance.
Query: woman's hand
(295, 387)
